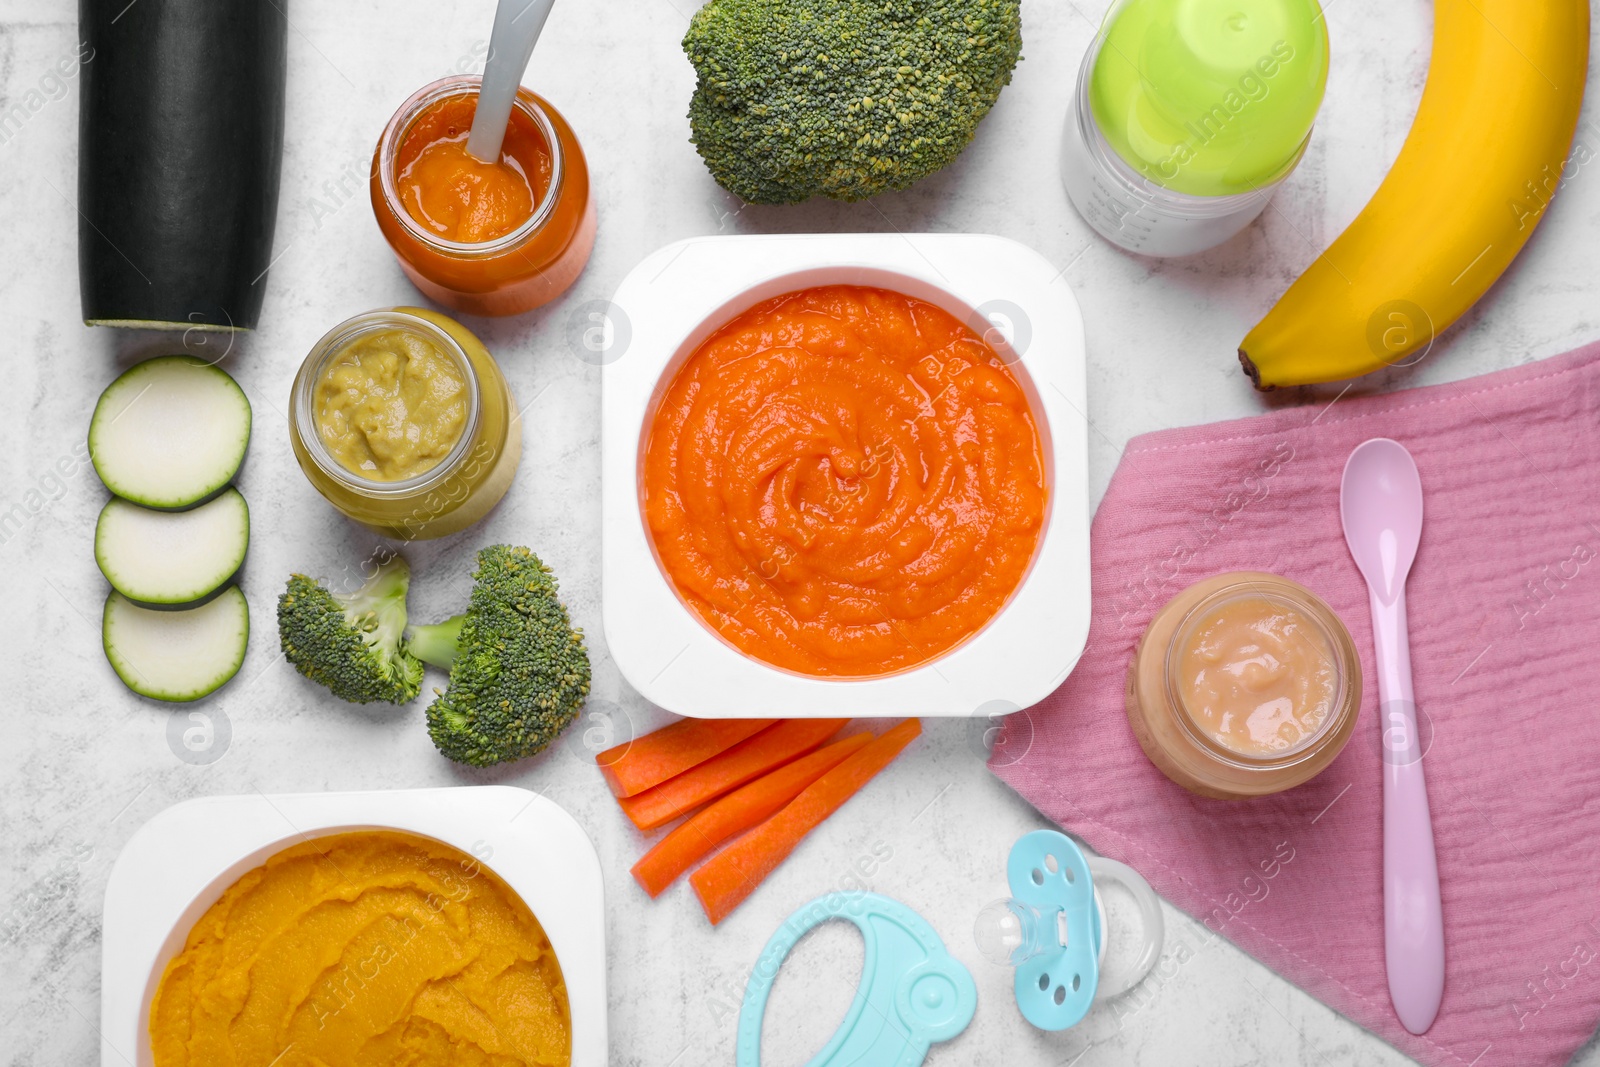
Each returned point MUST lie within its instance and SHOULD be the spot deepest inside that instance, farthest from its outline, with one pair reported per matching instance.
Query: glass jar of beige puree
(1244, 684)
(436, 495)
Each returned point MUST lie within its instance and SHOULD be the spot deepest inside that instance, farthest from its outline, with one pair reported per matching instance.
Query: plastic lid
(1210, 97)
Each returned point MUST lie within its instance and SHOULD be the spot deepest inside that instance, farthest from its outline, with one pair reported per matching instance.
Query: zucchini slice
(169, 432)
(172, 557)
(180, 141)
(176, 655)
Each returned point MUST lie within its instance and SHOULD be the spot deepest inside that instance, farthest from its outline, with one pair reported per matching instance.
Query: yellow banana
(1486, 153)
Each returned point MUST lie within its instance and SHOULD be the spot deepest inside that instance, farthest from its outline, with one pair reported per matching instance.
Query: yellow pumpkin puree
(364, 948)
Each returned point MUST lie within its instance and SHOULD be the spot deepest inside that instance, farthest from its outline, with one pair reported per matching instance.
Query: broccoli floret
(352, 644)
(843, 98)
(519, 671)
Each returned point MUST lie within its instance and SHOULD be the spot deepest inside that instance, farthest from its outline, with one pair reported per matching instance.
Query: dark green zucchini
(180, 136)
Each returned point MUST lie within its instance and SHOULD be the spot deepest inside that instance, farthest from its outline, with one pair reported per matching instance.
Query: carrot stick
(731, 875)
(772, 747)
(634, 766)
(735, 813)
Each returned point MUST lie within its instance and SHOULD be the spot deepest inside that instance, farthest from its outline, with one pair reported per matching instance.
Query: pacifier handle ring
(752, 1013)
(917, 992)
(1154, 927)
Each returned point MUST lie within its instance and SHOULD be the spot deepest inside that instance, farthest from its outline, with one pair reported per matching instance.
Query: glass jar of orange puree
(402, 420)
(1244, 684)
(484, 238)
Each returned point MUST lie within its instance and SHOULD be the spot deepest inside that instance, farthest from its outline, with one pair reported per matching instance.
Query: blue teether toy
(1053, 929)
(912, 991)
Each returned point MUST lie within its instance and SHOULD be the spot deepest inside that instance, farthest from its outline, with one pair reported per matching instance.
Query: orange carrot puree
(844, 481)
(459, 197)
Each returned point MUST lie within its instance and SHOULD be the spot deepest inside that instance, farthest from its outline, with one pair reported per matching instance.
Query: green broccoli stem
(436, 645)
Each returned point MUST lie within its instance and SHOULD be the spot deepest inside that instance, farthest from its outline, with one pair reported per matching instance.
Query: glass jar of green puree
(403, 421)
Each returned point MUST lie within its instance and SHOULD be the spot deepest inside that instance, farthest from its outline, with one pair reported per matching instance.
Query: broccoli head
(843, 98)
(519, 671)
(352, 643)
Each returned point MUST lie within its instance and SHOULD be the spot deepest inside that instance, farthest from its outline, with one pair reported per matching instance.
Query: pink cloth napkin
(1505, 635)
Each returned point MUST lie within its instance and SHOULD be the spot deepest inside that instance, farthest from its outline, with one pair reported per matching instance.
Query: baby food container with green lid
(1188, 113)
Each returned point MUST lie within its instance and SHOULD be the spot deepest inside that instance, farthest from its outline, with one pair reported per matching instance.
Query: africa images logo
(1253, 86)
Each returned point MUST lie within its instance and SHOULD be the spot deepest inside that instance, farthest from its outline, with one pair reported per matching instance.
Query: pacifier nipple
(1009, 932)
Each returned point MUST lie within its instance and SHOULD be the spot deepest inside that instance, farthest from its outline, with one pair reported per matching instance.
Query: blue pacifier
(1053, 929)
(912, 991)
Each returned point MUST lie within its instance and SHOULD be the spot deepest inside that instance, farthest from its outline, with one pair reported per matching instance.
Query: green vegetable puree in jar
(391, 405)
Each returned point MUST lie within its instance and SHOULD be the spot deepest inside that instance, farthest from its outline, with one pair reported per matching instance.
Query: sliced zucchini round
(176, 655)
(169, 432)
(172, 557)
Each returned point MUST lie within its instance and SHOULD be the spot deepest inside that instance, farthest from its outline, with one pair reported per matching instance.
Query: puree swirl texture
(364, 948)
(844, 481)
(391, 405)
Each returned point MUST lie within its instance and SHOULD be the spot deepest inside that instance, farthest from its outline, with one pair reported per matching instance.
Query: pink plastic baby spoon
(1380, 503)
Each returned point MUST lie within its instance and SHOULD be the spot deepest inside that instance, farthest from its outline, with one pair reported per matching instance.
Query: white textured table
(83, 762)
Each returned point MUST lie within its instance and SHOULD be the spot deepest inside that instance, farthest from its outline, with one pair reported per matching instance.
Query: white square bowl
(180, 862)
(676, 298)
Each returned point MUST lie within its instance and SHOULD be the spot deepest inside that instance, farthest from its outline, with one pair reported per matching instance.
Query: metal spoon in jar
(517, 25)
(1380, 503)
